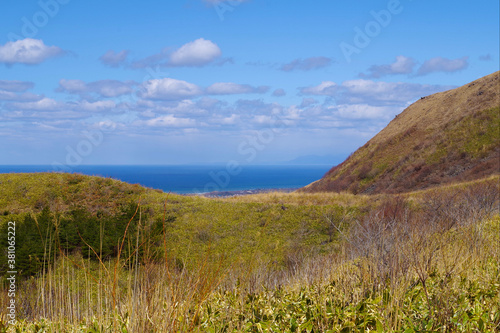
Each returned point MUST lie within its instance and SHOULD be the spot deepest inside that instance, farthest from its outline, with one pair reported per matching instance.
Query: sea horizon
(194, 178)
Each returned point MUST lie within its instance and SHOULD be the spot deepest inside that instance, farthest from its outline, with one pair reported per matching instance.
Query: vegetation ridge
(100, 255)
(447, 137)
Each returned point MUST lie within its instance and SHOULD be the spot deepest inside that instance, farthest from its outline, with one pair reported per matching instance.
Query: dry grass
(435, 110)
(429, 264)
(446, 137)
(319, 199)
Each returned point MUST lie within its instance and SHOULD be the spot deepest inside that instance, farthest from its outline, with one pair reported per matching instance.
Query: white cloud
(293, 113)
(15, 86)
(231, 120)
(307, 64)
(106, 125)
(104, 88)
(440, 64)
(406, 65)
(97, 106)
(364, 111)
(158, 59)
(27, 51)
(365, 87)
(327, 88)
(246, 106)
(402, 65)
(373, 93)
(264, 120)
(27, 117)
(229, 88)
(208, 102)
(169, 89)
(178, 107)
(196, 53)
(45, 104)
(279, 92)
(169, 121)
(24, 97)
(308, 102)
(70, 109)
(16, 91)
(114, 59)
(72, 86)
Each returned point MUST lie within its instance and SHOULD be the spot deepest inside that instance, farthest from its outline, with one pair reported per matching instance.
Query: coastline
(200, 180)
(227, 194)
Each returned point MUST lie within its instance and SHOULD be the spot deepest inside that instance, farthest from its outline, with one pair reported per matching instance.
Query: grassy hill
(99, 255)
(442, 138)
(276, 229)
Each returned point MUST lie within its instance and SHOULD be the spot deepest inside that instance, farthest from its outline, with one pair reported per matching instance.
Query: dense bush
(42, 238)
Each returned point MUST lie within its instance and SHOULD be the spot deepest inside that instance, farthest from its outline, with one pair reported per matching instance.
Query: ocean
(191, 179)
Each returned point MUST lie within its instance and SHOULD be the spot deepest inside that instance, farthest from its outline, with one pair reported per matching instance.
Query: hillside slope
(442, 138)
(74, 212)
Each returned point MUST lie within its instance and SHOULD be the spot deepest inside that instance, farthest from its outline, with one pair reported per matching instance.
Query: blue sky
(209, 81)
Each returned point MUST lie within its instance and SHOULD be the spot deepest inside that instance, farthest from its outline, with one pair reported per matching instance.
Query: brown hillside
(442, 138)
